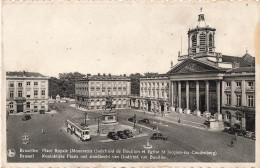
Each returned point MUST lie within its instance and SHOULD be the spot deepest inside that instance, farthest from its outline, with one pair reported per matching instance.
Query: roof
(227, 58)
(245, 61)
(24, 74)
(242, 69)
(106, 77)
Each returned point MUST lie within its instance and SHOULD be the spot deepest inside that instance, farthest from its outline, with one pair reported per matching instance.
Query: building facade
(91, 91)
(238, 98)
(26, 92)
(203, 82)
(154, 95)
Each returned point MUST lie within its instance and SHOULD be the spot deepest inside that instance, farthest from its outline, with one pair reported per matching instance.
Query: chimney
(98, 74)
(104, 74)
(23, 73)
(109, 74)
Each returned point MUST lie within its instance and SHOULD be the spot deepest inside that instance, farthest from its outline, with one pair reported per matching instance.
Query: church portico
(196, 96)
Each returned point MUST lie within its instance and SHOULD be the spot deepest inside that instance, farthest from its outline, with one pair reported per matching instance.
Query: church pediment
(191, 66)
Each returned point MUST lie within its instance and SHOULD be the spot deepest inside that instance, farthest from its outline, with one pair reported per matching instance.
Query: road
(184, 144)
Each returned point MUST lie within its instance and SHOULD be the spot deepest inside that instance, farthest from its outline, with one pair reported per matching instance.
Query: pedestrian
(140, 130)
(95, 119)
(232, 142)
(235, 138)
(153, 127)
(179, 121)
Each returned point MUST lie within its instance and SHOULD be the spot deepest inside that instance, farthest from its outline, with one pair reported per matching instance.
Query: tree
(64, 85)
(135, 83)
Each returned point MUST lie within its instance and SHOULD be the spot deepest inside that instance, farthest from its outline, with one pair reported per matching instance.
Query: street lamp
(85, 114)
(134, 120)
(98, 131)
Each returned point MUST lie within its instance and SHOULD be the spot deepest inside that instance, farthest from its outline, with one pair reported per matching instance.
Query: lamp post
(98, 125)
(85, 114)
(134, 120)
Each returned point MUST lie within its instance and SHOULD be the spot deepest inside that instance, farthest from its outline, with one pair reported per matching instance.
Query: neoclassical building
(26, 92)
(198, 83)
(91, 91)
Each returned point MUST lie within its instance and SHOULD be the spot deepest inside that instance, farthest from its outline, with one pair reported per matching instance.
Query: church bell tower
(201, 39)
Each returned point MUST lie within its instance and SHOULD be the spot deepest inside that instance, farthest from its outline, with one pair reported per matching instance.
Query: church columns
(179, 97)
(207, 95)
(218, 96)
(172, 94)
(187, 110)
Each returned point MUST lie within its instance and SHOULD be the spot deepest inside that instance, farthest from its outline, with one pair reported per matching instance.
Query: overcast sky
(116, 38)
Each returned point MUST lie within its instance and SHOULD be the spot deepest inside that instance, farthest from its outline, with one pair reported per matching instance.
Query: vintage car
(121, 135)
(128, 133)
(146, 121)
(26, 117)
(156, 136)
(112, 135)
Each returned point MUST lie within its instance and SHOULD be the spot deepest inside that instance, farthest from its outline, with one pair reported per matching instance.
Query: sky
(117, 38)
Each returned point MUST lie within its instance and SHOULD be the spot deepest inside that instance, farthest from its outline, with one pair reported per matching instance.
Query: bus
(81, 131)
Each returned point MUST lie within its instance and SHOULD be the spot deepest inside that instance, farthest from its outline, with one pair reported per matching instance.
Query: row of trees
(64, 85)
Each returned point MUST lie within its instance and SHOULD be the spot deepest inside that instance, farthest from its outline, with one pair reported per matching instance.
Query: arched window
(202, 42)
(228, 114)
(238, 116)
(194, 43)
(210, 42)
(11, 105)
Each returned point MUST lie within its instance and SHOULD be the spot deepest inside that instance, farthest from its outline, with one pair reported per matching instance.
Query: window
(20, 93)
(35, 83)
(28, 83)
(11, 93)
(202, 42)
(238, 100)
(228, 114)
(251, 85)
(11, 85)
(228, 99)
(238, 85)
(20, 84)
(28, 93)
(250, 101)
(210, 41)
(43, 92)
(35, 93)
(194, 43)
(11, 105)
(238, 116)
(228, 84)
(28, 105)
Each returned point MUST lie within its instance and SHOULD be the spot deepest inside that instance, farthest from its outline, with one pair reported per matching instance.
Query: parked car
(250, 134)
(26, 117)
(112, 135)
(253, 136)
(121, 135)
(156, 136)
(146, 121)
(128, 133)
(232, 130)
(240, 132)
(131, 119)
(226, 129)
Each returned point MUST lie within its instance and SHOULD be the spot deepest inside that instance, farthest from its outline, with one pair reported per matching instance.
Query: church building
(203, 83)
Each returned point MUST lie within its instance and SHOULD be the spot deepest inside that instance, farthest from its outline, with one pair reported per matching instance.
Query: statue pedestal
(218, 116)
(197, 113)
(179, 110)
(206, 114)
(187, 111)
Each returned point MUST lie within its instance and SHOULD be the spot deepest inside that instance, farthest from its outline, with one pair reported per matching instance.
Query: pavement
(180, 138)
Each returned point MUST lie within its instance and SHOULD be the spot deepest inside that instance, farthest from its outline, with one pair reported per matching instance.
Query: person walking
(235, 138)
(179, 121)
(231, 143)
